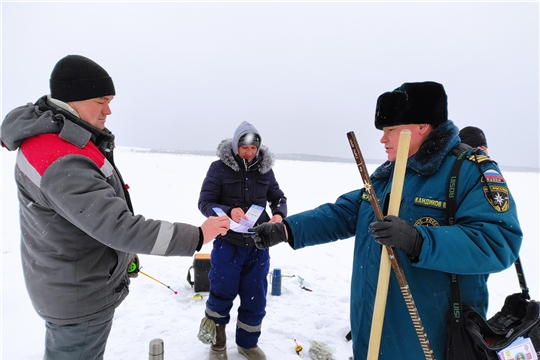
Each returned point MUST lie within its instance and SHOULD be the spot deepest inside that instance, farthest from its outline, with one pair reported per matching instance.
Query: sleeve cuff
(201, 240)
(290, 236)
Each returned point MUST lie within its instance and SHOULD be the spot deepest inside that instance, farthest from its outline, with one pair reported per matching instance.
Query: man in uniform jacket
(78, 227)
(242, 177)
(485, 238)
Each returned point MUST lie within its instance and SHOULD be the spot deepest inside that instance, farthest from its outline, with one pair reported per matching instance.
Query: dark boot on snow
(218, 351)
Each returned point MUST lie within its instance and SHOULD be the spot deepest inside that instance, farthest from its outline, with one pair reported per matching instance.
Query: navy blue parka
(231, 183)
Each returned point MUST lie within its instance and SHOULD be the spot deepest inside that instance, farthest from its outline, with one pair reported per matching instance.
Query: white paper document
(242, 227)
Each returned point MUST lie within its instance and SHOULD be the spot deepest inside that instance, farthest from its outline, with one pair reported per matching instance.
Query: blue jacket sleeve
(211, 192)
(326, 223)
(486, 235)
(276, 197)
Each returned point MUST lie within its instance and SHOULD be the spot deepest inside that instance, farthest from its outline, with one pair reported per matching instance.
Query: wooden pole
(385, 266)
(394, 261)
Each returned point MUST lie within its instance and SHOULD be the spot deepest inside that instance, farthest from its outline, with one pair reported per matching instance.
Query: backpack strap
(521, 279)
(460, 152)
(451, 203)
(459, 149)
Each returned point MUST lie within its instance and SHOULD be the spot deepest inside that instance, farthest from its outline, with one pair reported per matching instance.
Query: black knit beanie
(412, 103)
(76, 78)
(473, 136)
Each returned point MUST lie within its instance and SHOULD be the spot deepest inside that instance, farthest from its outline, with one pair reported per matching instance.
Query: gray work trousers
(82, 341)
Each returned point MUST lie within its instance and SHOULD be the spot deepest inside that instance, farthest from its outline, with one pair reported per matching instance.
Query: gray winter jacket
(77, 224)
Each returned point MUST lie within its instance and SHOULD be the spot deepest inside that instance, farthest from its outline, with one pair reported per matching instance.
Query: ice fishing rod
(167, 286)
(394, 261)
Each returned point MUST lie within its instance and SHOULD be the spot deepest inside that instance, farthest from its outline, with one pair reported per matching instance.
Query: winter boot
(218, 351)
(253, 353)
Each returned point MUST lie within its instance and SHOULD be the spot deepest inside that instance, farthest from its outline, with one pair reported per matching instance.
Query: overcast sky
(305, 74)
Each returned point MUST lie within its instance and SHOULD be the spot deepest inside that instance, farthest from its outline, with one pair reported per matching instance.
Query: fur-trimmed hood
(431, 154)
(264, 160)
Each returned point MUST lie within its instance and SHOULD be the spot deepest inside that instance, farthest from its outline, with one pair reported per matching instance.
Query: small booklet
(242, 227)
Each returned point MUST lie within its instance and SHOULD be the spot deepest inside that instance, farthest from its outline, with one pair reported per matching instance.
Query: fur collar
(431, 154)
(225, 154)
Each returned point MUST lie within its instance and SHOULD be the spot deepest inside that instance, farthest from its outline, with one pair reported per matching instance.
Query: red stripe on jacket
(42, 150)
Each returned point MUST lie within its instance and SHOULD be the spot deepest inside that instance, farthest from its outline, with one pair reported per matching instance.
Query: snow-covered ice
(166, 186)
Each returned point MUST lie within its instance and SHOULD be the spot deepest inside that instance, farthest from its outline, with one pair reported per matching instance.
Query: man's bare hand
(237, 214)
(214, 226)
(276, 219)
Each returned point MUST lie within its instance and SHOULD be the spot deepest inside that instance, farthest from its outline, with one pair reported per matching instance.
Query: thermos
(276, 282)
(156, 350)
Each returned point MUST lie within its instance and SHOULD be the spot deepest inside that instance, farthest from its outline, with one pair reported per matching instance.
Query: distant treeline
(306, 157)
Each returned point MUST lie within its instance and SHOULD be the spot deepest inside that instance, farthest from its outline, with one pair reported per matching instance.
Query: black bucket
(201, 268)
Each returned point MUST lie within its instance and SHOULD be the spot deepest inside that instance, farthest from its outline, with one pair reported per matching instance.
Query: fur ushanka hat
(412, 103)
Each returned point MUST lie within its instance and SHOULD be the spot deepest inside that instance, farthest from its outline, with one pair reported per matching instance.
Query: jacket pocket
(232, 188)
(261, 190)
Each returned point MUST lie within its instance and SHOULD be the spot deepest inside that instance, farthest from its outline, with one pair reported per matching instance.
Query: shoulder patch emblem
(497, 197)
(426, 221)
(493, 176)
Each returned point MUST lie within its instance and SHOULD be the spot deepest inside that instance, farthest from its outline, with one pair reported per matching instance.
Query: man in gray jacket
(78, 227)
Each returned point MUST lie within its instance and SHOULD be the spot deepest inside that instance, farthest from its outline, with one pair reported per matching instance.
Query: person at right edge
(475, 137)
(485, 238)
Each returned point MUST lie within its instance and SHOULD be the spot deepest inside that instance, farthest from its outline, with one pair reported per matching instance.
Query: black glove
(268, 234)
(133, 267)
(396, 232)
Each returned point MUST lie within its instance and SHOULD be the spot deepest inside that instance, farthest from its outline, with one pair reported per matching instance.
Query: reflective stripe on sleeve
(164, 237)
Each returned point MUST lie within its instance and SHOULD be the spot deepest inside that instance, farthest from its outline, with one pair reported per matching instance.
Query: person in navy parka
(242, 177)
(485, 238)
